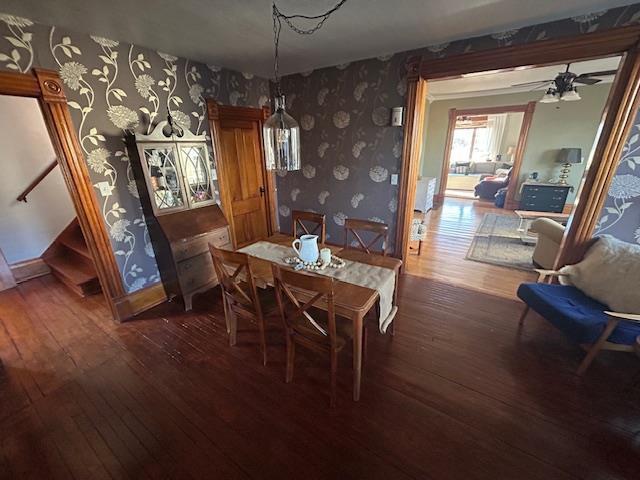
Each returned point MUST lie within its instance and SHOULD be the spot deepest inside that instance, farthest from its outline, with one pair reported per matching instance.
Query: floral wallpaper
(113, 88)
(621, 214)
(349, 151)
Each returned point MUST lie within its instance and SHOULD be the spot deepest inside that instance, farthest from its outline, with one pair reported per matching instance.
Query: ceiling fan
(563, 85)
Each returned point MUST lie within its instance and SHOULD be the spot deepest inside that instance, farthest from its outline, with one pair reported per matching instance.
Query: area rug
(497, 242)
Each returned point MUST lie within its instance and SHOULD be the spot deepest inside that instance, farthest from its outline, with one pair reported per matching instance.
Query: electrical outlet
(394, 179)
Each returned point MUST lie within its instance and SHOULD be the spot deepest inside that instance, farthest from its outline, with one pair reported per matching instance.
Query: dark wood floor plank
(459, 392)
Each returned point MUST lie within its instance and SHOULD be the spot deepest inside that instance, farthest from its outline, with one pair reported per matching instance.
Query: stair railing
(23, 196)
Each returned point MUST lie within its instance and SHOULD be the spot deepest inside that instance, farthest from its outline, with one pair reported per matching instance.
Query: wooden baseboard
(28, 269)
(137, 302)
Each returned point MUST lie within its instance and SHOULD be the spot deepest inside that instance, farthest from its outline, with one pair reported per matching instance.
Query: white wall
(27, 229)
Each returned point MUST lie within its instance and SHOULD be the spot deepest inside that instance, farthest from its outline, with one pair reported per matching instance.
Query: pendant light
(281, 132)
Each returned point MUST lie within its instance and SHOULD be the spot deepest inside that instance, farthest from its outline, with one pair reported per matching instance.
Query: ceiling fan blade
(604, 73)
(531, 84)
(587, 80)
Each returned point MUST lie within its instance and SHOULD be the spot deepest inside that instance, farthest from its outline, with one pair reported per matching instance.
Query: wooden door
(243, 179)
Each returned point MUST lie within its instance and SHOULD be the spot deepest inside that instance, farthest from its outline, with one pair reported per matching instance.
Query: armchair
(582, 319)
(550, 235)
(489, 186)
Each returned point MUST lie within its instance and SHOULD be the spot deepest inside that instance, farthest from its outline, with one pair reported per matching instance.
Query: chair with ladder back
(315, 328)
(240, 296)
(377, 233)
(316, 222)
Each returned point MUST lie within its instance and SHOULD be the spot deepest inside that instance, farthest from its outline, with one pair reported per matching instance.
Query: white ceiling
(238, 33)
(498, 83)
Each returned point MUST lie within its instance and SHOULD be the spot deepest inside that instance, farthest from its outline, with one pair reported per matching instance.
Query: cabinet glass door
(197, 174)
(163, 177)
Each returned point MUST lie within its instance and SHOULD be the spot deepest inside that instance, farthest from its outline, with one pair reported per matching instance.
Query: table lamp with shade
(568, 157)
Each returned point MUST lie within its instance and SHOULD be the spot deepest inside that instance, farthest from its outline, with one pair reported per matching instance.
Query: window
(470, 143)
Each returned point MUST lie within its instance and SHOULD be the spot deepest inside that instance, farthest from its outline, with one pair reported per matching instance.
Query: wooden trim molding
(510, 199)
(618, 118)
(137, 302)
(543, 52)
(28, 269)
(528, 110)
(271, 183)
(617, 121)
(411, 153)
(46, 86)
(444, 170)
(215, 111)
(19, 85)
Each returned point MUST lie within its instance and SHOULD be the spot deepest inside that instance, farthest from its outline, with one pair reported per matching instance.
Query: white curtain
(496, 124)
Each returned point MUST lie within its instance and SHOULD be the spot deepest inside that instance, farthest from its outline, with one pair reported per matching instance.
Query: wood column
(618, 119)
(76, 175)
(411, 153)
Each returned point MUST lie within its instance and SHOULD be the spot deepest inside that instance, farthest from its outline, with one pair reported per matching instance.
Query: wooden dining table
(351, 301)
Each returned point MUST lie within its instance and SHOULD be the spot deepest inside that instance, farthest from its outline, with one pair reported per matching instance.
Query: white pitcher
(306, 247)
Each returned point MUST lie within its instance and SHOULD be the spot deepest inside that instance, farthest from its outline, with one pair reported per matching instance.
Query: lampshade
(549, 97)
(281, 139)
(569, 155)
(571, 96)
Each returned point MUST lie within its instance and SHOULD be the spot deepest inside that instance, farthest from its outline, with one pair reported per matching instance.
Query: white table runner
(381, 279)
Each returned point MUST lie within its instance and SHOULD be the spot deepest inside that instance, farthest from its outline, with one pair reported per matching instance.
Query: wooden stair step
(75, 272)
(75, 242)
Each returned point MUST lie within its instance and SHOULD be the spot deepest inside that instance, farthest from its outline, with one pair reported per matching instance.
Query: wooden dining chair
(376, 230)
(307, 325)
(317, 222)
(240, 296)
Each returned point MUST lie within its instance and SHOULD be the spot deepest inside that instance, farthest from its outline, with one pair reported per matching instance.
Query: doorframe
(527, 109)
(46, 87)
(616, 122)
(214, 109)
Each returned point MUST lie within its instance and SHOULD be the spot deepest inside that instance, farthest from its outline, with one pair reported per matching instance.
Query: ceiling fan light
(571, 96)
(549, 97)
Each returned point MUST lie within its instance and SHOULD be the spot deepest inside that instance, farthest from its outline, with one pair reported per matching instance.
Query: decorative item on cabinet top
(174, 176)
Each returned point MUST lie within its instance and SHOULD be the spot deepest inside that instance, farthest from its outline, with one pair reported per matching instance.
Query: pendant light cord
(279, 17)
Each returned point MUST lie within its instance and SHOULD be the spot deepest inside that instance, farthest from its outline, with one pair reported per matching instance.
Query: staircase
(71, 263)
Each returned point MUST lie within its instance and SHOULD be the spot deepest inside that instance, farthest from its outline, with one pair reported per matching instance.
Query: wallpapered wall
(113, 87)
(621, 214)
(349, 151)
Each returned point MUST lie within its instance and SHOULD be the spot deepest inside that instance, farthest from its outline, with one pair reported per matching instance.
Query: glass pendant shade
(281, 139)
(571, 96)
(549, 97)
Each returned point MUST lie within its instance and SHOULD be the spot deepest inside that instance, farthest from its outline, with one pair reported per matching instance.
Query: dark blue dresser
(543, 197)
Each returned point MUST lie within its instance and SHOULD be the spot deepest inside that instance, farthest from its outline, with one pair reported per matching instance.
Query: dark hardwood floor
(458, 393)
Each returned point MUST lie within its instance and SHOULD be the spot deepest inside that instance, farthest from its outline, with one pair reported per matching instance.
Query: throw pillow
(609, 273)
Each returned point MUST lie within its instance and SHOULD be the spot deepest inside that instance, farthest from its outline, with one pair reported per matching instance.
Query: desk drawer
(195, 246)
(195, 272)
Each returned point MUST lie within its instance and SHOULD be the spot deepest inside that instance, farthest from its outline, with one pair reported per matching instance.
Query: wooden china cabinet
(175, 179)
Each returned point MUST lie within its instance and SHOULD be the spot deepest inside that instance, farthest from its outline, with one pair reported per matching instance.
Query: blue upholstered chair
(582, 319)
